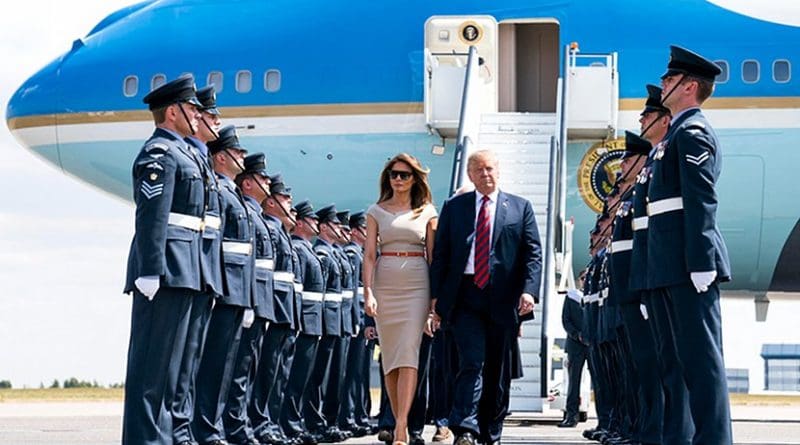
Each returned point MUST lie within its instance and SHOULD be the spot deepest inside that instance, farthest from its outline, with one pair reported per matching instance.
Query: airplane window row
(243, 82)
(751, 71)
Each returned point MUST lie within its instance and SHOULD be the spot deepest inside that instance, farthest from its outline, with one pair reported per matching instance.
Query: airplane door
(447, 43)
(529, 66)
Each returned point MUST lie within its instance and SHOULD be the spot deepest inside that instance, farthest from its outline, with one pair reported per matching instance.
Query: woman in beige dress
(396, 287)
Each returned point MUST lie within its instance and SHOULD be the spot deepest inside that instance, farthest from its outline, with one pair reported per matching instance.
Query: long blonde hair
(420, 190)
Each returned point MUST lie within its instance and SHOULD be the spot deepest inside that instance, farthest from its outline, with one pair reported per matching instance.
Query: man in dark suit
(686, 255)
(484, 276)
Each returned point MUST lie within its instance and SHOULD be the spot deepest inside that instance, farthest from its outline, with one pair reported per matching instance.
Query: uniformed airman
(277, 348)
(233, 310)
(210, 267)
(164, 262)
(315, 419)
(254, 184)
(313, 280)
(686, 255)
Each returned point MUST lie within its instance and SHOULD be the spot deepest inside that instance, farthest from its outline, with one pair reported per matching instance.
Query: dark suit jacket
(515, 263)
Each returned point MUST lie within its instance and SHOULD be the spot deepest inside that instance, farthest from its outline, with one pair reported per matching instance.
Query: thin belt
(237, 247)
(640, 223)
(313, 296)
(402, 254)
(265, 264)
(621, 246)
(286, 277)
(664, 206)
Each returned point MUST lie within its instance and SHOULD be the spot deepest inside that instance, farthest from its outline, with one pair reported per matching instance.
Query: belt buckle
(403, 254)
(202, 225)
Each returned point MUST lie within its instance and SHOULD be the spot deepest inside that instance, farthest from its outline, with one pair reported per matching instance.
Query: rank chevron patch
(151, 191)
(699, 159)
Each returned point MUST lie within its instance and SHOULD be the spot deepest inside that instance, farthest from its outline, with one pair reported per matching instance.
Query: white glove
(148, 285)
(643, 310)
(249, 318)
(702, 280)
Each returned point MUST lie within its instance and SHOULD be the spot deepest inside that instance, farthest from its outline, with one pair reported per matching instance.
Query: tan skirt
(402, 290)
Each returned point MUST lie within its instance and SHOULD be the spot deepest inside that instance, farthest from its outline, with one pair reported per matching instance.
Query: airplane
(330, 91)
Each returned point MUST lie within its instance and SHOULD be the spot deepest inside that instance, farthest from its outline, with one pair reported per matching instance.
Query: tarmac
(98, 423)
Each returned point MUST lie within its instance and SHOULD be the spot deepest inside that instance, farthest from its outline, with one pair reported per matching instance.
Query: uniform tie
(482, 244)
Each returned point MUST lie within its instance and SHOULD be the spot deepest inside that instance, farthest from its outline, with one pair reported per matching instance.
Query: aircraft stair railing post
(548, 266)
(469, 123)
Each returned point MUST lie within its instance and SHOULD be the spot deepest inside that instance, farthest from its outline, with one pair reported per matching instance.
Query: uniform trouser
(650, 418)
(216, 371)
(305, 352)
(334, 381)
(364, 414)
(601, 387)
(577, 359)
(609, 362)
(157, 326)
(275, 401)
(314, 393)
(628, 382)
(352, 411)
(238, 428)
(444, 365)
(418, 411)
(678, 426)
(276, 341)
(696, 325)
(192, 350)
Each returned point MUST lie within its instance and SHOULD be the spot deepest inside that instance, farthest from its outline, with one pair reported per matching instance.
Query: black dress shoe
(186, 442)
(568, 422)
(386, 436)
(216, 442)
(465, 439)
(416, 439)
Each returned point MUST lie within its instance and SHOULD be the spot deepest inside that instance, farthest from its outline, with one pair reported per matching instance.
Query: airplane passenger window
(726, 72)
(750, 71)
(130, 86)
(781, 71)
(215, 78)
(272, 81)
(158, 80)
(244, 82)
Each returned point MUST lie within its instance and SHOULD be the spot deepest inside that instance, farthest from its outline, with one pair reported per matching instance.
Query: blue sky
(63, 244)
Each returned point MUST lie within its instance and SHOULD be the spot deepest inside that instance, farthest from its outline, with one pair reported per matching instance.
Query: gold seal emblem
(470, 33)
(598, 170)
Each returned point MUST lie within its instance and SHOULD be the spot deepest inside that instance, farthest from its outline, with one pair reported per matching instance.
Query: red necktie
(482, 244)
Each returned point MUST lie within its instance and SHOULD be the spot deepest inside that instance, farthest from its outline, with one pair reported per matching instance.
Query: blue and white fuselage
(331, 90)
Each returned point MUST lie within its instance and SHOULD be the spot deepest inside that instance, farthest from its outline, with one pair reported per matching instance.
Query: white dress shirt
(491, 207)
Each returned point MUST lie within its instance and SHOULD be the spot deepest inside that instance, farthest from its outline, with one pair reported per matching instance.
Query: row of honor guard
(648, 318)
(243, 330)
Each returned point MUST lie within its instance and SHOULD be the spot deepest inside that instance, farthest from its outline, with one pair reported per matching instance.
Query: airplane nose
(31, 113)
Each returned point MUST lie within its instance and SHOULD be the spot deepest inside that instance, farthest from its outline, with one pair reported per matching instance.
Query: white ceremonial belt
(360, 290)
(298, 287)
(237, 247)
(591, 298)
(664, 206)
(187, 221)
(347, 294)
(286, 277)
(640, 223)
(333, 297)
(212, 221)
(313, 296)
(621, 246)
(265, 264)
